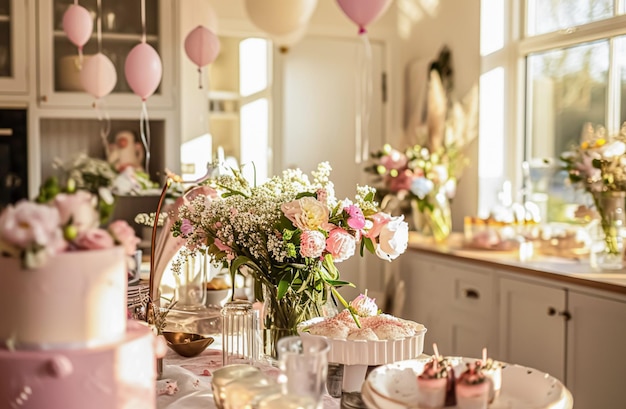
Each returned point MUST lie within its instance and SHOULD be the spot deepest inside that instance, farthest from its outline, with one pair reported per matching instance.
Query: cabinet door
(596, 363)
(13, 35)
(532, 329)
(59, 68)
(454, 302)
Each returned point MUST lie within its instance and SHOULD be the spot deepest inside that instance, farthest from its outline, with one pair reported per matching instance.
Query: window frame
(517, 46)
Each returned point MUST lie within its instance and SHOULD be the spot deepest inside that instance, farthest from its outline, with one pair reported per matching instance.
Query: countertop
(566, 270)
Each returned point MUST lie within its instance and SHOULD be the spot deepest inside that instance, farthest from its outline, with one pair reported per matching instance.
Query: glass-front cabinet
(13, 29)
(122, 29)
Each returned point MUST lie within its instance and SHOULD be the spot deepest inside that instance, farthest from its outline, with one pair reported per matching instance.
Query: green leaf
(304, 194)
(369, 244)
(283, 286)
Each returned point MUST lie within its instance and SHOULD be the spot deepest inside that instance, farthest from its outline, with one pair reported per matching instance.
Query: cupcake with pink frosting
(435, 385)
(472, 388)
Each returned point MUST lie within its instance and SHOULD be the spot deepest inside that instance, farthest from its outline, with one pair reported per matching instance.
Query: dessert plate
(394, 386)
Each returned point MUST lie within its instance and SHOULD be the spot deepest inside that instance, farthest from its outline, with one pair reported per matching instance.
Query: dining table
(185, 382)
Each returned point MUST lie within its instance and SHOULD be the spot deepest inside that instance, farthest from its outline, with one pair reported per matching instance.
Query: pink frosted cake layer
(119, 376)
(76, 299)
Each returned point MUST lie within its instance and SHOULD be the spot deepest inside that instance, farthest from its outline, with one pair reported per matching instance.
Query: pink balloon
(98, 75)
(143, 70)
(202, 46)
(78, 25)
(363, 12)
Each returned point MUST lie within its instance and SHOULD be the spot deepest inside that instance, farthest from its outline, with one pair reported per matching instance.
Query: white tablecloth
(192, 377)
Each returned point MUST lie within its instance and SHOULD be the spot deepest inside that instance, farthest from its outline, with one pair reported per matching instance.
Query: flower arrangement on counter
(34, 231)
(598, 165)
(426, 172)
(289, 233)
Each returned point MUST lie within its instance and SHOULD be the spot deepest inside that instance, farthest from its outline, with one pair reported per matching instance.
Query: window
(564, 65)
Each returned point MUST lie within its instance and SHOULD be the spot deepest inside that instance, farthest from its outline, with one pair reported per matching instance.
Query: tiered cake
(65, 341)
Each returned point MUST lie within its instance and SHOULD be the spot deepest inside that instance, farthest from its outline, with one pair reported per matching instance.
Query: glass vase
(434, 220)
(282, 316)
(190, 290)
(607, 251)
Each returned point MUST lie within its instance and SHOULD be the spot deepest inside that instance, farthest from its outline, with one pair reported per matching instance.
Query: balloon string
(144, 129)
(363, 100)
(367, 88)
(105, 124)
(143, 23)
(76, 2)
(99, 26)
(199, 78)
(80, 58)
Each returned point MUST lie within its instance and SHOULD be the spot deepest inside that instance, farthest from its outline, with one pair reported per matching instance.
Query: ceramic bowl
(217, 297)
(187, 344)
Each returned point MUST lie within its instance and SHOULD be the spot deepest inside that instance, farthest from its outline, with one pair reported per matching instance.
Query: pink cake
(76, 299)
(65, 341)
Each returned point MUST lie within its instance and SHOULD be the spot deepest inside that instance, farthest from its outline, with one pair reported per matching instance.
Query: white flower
(613, 149)
(421, 187)
(393, 239)
(364, 306)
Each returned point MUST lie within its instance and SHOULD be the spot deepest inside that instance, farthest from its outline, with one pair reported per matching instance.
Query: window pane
(566, 88)
(545, 16)
(255, 139)
(253, 67)
(620, 55)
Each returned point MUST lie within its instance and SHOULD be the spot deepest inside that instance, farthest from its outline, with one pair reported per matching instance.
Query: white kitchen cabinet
(454, 302)
(596, 362)
(532, 325)
(59, 80)
(13, 49)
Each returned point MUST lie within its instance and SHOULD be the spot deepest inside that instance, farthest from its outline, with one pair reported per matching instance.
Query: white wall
(413, 29)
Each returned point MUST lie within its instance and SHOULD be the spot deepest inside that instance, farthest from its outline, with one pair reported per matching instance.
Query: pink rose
(125, 235)
(80, 208)
(306, 213)
(312, 243)
(26, 224)
(94, 239)
(400, 182)
(186, 228)
(340, 244)
(220, 245)
(378, 222)
(356, 219)
(394, 160)
(393, 239)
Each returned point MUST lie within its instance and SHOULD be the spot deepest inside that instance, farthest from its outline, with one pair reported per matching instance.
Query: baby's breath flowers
(289, 232)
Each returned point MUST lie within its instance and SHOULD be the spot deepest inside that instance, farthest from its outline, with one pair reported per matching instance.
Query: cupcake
(472, 388)
(493, 371)
(433, 384)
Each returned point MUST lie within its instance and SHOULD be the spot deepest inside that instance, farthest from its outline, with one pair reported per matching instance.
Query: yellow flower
(584, 145)
(600, 142)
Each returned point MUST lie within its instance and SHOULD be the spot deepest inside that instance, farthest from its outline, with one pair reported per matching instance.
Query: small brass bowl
(187, 344)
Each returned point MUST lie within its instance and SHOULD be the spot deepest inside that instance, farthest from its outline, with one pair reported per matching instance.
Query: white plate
(394, 386)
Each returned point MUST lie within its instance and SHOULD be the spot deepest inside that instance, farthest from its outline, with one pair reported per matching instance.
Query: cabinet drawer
(472, 290)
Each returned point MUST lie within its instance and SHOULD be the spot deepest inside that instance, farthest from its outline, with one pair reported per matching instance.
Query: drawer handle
(565, 314)
(471, 293)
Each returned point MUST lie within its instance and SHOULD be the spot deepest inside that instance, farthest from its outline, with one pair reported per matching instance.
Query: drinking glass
(304, 366)
(240, 328)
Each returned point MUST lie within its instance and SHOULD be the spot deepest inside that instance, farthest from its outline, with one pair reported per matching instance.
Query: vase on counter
(433, 218)
(607, 251)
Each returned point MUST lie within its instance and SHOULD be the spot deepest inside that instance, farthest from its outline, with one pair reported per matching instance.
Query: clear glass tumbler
(240, 329)
(303, 362)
